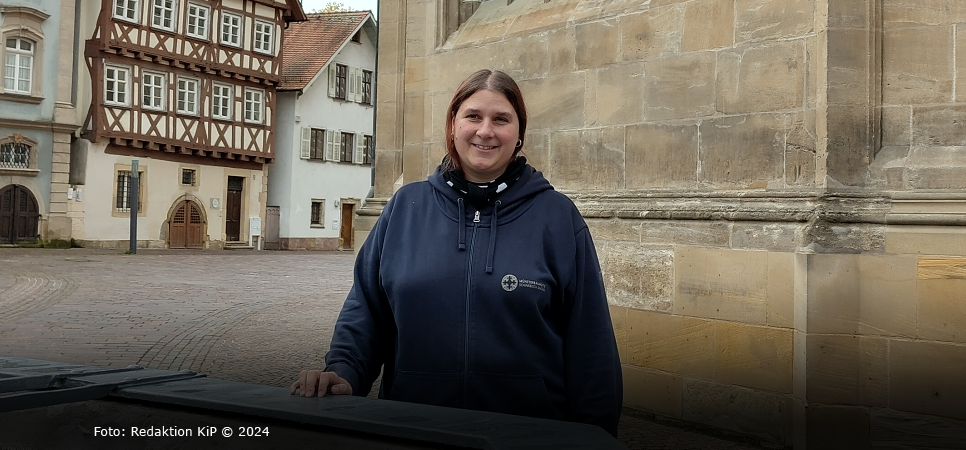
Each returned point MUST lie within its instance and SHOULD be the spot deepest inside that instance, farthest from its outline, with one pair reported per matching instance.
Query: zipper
(466, 309)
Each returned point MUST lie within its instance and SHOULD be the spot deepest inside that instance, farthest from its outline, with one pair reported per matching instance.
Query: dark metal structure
(47, 404)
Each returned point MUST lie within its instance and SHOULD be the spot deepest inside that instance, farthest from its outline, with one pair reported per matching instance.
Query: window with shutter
(306, 142)
(358, 78)
(360, 154)
(332, 80)
(331, 144)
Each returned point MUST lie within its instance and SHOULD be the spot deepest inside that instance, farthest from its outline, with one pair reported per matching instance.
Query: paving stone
(256, 317)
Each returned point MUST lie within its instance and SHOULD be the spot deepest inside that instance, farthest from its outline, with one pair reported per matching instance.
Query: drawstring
(489, 254)
(462, 243)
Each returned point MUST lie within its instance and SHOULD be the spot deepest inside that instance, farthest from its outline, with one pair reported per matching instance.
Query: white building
(324, 143)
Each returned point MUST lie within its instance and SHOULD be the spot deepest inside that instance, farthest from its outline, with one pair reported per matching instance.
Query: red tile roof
(309, 45)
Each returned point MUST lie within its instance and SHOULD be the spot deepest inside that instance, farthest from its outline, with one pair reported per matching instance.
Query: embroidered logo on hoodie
(510, 282)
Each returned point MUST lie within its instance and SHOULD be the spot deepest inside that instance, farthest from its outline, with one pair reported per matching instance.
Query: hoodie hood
(508, 206)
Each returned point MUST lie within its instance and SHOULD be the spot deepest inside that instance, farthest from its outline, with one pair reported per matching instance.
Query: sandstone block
(597, 44)
(847, 370)
(661, 156)
(936, 168)
(853, 294)
(744, 410)
(848, 66)
(653, 391)
(680, 87)
(637, 276)
(939, 126)
(766, 236)
(476, 32)
(766, 77)
(588, 159)
(923, 12)
(927, 378)
(614, 105)
(800, 154)
(555, 102)
(651, 34)
(752, 356)
(942, 311)
(542, 16)
(926, 241)
(604, 230)
(765, 19)
(960, 66)
(414, 162)
(849, 144)
(849, 14)
(708, 24)
(414, 119)
(917, 65)
(742, 152)
(524, 56)
(896, 126)
(676, 344)
(562, 50)
(618, 317)
(537, 150)
(712, 234)
(721, 284)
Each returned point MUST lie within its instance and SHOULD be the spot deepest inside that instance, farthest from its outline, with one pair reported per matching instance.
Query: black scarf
(485, 193)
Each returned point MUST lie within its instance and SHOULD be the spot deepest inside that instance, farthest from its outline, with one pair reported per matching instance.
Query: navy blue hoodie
(500, 309)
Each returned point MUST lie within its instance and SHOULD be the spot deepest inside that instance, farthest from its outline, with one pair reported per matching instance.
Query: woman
(479, 288)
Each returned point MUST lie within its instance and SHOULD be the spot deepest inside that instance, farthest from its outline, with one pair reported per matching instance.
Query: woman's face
(485, 130)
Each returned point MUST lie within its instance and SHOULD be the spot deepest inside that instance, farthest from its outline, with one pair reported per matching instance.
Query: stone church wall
(775, 189)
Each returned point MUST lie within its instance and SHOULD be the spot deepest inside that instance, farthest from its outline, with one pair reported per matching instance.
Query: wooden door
(19, 215)
(187, 226)
(345, 229)
(233, 209)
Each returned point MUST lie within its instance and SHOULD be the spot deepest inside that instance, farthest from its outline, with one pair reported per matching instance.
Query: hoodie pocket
(522, 395)
(428, 388)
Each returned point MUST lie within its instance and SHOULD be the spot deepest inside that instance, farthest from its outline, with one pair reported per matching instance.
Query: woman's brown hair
(491, 80)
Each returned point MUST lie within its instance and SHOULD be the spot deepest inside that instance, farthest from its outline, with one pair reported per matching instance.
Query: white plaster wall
(315, 179)
(164, 190)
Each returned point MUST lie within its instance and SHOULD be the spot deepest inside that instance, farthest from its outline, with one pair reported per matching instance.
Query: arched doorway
(19, 215)
(186, 227)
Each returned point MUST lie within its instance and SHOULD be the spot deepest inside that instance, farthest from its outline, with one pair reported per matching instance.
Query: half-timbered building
(322, 170)
(188, 89)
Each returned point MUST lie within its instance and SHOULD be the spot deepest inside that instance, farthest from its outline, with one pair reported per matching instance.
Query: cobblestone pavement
(256, 317)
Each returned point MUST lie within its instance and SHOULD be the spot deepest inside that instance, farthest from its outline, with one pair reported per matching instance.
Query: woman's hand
(312, 382)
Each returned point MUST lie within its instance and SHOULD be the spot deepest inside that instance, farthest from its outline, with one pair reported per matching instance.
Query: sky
(355, 5)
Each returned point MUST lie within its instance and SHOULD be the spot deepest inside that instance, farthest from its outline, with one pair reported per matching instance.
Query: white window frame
(254, 107)
(120, 95)
(263, 40)
(219, 111)
(185, 93)
(166, 13)
(18, 60)
(197, 25)
(148, 90)
(130, 10)
(226, 25)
